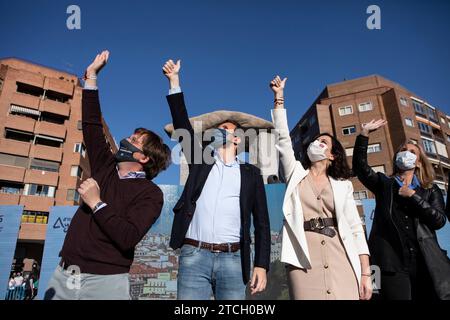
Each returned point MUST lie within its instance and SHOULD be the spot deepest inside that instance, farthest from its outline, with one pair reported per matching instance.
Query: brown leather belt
(214, 247)
(322, 226)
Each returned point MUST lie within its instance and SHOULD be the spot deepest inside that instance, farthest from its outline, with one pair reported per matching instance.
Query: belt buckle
(317, 223)
(212, 249)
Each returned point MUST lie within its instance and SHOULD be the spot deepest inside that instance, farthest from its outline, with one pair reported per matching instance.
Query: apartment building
(341, 108)
(43, 158)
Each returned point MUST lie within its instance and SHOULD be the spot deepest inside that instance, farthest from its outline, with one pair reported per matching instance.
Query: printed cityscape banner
(58, 223)
(154, 271)
(9, 230)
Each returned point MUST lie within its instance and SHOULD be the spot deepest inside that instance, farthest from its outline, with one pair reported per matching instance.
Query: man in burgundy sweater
(120, 204)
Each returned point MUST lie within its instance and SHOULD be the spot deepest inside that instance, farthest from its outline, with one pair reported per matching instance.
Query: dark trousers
(413, 284)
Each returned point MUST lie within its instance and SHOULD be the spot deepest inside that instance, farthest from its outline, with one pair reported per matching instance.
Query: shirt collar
(414, 184)
(132, 175)
(219, 158)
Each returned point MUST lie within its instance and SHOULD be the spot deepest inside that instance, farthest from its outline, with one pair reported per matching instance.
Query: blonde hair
(424, 171)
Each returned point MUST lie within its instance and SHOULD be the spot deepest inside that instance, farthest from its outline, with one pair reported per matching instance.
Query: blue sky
(230, 50)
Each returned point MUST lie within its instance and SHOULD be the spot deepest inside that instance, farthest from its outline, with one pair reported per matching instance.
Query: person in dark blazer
(409, 210)
(213, 215)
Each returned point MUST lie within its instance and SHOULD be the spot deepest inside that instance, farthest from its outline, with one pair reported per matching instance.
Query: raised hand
(171, 70)
(277, 85)
(99, 62)
(372, 126)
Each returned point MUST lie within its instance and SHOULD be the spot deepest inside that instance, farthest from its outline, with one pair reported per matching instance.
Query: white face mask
(406, 160)
(316, 151)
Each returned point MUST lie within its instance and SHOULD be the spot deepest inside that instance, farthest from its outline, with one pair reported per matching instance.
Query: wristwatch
(98, 206)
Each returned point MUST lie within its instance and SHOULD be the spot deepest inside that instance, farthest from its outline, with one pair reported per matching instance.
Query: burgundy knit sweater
(104, 242)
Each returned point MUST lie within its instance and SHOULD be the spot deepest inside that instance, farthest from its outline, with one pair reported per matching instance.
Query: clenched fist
(90, 192)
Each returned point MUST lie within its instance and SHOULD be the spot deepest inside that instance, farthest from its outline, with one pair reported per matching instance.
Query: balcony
(60, 86)
(46, 153)
(32, 231)
(37, 203)
(20, 123)
(30, 78)
(41, 177)
(10, 173)
(15, 147)
(50, 129)
(55, 107)
(8, 199)
(26, 100)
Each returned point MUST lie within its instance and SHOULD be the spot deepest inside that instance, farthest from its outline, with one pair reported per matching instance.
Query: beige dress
(331, 276)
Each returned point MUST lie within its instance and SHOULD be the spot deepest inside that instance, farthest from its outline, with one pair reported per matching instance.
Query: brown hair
(158, 152)
(424, 171)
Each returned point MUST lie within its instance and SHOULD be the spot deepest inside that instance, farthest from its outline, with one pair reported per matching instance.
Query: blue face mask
(220, 138)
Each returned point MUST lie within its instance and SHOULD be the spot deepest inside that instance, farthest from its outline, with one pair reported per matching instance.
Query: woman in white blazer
(324, 245)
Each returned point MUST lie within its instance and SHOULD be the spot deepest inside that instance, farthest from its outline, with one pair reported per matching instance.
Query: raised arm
(279, 119)
(179, 113)
(360, 166)
(99, 153)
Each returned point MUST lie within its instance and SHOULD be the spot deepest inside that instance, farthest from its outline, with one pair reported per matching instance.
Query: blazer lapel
(339, 197)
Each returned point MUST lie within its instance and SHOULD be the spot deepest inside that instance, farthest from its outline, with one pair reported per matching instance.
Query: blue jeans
(202, 273)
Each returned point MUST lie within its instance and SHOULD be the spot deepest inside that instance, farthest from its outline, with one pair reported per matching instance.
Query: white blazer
(294, 248)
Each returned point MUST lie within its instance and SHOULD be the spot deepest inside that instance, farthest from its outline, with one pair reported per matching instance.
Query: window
(312, 120)
(418, 107)
(56, 96)
(349, 152)
(360, 195)
(44, 165)
(379, 169)
(34, 217)
(403, 101)
(346, 131)
(343, 111)
(79, 125)
(39, 190)
(18, 135)
(73, 195)
(424, 128)
(48, 141)
(76, 171)
(11, 187)
(443, 120)
(29, 89)
(372, 148)
(80, 148)
(409, 122)
(448, 138)
(16, 161)
(429, 146)
(53, 118)
(365, 106)
(432, 114)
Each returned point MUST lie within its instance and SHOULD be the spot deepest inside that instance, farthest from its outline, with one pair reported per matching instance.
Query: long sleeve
(354, 221)
(98, 151)
(190, 144)
(368, 177)
(284, 143)
(127, 230)
(431, 212)
(262, 225)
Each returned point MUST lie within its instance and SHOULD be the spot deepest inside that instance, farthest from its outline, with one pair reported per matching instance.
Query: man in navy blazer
(213, 215)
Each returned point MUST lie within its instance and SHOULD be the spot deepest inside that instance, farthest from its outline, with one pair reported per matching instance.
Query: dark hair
(158, 152)
(339, 168)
